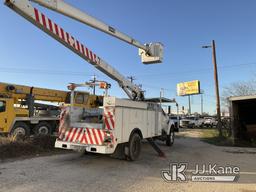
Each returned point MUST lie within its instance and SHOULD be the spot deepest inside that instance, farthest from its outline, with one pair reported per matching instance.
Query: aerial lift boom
(64, 8)
(103, 130)
(150, 53)
(26, 10)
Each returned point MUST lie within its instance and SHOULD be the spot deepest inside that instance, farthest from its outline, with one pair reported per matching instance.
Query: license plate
(78, 147)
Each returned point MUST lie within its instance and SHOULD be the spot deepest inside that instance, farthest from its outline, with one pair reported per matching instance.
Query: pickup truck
(191, 122)
(210, 121)
(176, 120)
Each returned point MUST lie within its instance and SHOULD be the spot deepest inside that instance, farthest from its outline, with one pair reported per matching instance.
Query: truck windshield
(2, 106)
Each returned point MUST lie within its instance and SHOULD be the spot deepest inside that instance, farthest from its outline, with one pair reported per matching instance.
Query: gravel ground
(93, 172)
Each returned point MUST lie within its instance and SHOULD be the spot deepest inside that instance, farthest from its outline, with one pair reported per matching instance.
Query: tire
(134, 147)
(176, 129)
(43, 128)
(20, 130)
(170, 137)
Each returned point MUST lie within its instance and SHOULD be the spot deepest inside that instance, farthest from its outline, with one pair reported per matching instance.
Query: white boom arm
(26, 10)
(70, 11)
(150, 53)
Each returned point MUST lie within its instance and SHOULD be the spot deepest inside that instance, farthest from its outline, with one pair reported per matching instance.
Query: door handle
(5, 120)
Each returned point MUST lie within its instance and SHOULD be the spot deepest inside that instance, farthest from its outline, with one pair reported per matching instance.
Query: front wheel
(20, 130)
(134, 147)
(170, 137)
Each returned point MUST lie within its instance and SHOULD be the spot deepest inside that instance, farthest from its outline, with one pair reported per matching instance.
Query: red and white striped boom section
(26, 10)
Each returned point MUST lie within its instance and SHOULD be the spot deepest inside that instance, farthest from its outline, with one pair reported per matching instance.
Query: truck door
(3, 117)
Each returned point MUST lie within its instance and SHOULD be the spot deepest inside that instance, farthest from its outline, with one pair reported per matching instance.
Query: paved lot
(73, 172)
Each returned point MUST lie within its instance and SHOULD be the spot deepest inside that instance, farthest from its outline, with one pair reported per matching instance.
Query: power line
(74, 73)
(157, 88)
(197, 70)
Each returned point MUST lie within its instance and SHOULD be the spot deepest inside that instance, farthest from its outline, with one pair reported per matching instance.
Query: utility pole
(132, 78)
(161, 95)
(216, 80)
(216, 87)
(94, 81)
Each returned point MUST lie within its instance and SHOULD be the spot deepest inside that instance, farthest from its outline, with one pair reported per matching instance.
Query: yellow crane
(20, 112)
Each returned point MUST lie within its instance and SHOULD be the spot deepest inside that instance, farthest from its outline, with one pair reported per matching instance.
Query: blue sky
(30, 57)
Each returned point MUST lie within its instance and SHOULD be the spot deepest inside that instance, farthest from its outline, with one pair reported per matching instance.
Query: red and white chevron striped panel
(89, 136)
(63, 36)
(109, 119)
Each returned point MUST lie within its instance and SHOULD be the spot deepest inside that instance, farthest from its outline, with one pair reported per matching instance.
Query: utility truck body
(114, 123)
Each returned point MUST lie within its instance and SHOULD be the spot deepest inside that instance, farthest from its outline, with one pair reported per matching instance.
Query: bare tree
(242, 88)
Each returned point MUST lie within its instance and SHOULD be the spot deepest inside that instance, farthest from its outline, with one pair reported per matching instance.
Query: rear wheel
(134, 147)
(43, 128)
(170, 137)
(20, 130)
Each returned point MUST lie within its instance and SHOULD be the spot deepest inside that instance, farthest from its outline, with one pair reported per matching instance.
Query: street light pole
(216, 80)
(202, 102)
(189, 105)
(177, 105)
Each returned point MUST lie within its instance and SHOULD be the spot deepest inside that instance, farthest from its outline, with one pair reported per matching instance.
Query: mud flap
(119, 152)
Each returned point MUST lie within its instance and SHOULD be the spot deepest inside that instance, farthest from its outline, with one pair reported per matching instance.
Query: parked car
(184, 122)
(176, 121)
(210, 121)
(192, 122)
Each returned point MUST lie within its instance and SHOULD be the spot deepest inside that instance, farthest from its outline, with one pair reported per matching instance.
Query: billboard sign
(188, 88)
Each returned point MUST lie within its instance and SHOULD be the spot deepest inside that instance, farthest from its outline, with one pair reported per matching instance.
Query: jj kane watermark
(201, 173)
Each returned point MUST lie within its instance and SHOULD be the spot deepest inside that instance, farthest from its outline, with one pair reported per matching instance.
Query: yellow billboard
(188, 88)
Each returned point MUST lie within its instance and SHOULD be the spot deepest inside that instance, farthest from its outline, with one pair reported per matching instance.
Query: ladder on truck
(150, 53)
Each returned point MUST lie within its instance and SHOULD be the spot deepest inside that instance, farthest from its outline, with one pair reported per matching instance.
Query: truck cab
(7, 114)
